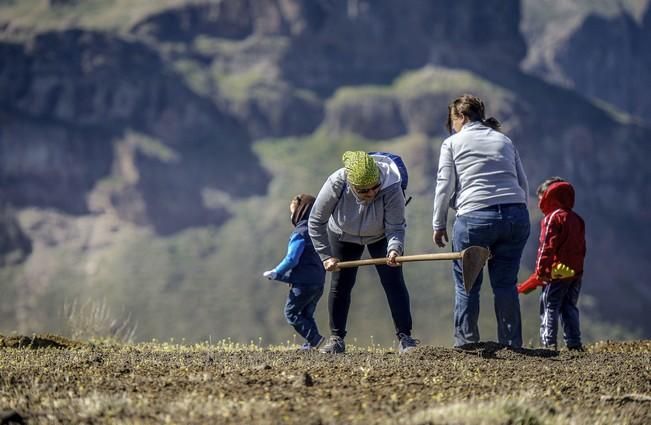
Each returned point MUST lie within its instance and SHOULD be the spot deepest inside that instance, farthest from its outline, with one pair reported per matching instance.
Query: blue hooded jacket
(301, 266)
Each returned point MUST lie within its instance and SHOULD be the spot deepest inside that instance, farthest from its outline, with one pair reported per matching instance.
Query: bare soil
(48, 379)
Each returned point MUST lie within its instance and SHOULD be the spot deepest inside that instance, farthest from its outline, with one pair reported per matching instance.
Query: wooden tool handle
(401, 259)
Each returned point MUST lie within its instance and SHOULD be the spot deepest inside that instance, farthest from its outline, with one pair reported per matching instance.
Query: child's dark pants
(343, 281)
(559, 298)
(299, 311)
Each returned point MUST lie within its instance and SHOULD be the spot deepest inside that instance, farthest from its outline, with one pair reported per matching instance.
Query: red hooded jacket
(562, 232)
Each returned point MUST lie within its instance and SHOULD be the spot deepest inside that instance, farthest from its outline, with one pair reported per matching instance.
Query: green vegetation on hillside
(446, 80)
(112, 15)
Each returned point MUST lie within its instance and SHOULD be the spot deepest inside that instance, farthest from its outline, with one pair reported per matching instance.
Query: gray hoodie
(338, 209)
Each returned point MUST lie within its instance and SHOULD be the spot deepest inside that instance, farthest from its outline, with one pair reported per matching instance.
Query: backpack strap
(343, 188)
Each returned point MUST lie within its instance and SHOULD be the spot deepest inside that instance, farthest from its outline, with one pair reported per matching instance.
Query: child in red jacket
(559, 265)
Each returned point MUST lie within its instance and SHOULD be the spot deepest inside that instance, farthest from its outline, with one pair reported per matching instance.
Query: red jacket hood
(558, 195)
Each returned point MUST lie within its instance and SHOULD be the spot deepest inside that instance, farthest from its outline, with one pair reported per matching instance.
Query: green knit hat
(361, 169)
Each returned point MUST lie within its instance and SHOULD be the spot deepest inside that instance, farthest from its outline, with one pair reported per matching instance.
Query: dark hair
(472, 108)
(545, 185)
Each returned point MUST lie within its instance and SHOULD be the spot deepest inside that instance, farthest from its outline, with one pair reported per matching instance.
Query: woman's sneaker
(407, 343)
(334, 345)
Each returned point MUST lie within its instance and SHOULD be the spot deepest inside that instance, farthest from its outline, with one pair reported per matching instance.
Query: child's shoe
(335, 345)
(578, 348)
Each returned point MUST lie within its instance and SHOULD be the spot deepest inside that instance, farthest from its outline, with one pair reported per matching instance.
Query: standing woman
(362, 205)
(480, 175)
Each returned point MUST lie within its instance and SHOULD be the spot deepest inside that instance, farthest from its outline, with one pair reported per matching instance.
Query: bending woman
(362, 205)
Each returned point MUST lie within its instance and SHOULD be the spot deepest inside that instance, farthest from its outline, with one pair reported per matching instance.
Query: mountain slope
(148, 161)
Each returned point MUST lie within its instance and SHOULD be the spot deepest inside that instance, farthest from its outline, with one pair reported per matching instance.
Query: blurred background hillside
(149, 149)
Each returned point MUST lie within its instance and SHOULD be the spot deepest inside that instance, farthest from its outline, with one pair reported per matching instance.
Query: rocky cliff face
(288, 56)
(601, 56)
(15, 246)
(615, 68)
(72, 98)
(150, 127)
(364, 42)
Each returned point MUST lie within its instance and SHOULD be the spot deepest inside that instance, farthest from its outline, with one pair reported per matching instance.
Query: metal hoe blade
(472, 262)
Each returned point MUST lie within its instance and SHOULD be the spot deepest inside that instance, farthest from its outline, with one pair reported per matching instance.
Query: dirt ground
(48, 379)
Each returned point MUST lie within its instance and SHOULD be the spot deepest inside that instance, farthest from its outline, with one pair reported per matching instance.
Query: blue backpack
(392, 158)
(394, 161)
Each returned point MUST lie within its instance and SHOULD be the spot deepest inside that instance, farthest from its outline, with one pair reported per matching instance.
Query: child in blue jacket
(303, 271)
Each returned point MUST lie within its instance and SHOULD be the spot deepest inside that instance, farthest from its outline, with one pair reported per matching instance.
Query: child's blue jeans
(299, 311)
(504, 230)
(559, 298)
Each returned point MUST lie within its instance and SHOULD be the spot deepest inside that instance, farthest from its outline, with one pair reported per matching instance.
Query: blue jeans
(559, 298)
(504, 230)
(299, 311)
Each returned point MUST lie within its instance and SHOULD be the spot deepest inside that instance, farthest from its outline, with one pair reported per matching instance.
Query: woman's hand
(439, 236)
(391, 258)
(331, 264)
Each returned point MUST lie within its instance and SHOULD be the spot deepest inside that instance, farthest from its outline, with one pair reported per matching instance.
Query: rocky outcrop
(71, 95)
(234, 19)
(374, 116)
(426, 112)
(318, 46)
(415, 103)
(226, 19)
(44, 164)
(611, 69)
(277, 110)
(363, 42)
(15, 246)
(616, 67)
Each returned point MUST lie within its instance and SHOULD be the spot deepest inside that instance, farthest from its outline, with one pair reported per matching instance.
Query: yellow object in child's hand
(561, 271)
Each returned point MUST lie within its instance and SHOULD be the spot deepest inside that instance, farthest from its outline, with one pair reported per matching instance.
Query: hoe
(472, 261)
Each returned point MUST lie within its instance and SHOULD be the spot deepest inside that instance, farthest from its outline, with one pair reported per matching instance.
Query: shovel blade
(473, 260)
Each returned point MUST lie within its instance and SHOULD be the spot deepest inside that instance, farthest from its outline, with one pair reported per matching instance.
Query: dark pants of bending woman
(343, 281)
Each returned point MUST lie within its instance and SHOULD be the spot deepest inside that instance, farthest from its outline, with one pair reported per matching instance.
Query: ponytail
(472, 108)
(492, 123)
